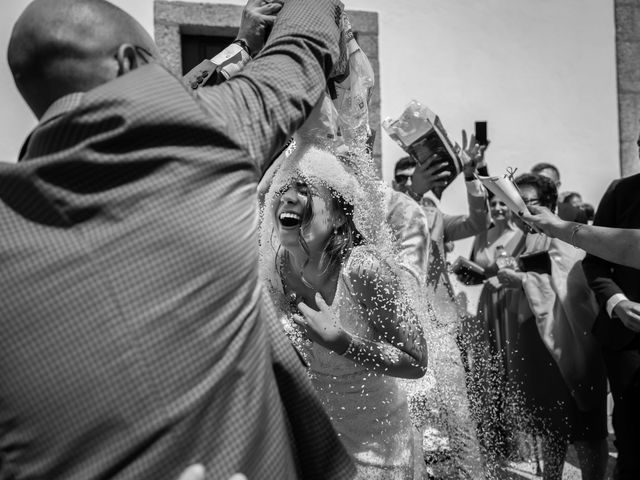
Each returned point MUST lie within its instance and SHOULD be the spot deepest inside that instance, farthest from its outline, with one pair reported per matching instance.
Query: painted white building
(541, 72)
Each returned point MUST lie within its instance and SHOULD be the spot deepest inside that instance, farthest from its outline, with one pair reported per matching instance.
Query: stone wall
(171, 19)
(627, 17)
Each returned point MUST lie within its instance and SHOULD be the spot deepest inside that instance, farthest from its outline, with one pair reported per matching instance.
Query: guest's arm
(257, 19)
(270, 98)
(614, 245)
(477, 220)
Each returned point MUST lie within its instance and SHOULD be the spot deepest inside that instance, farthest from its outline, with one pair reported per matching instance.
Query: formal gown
(368, 409)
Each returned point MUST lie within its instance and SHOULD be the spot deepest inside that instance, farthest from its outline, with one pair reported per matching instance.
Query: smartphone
(481, 133)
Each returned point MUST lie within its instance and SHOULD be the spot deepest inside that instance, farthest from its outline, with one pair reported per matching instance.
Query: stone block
(629, 161)
(168, 40)
(218, 15)
(628, 61)
(363, 22)
(627, 18)
(629, 114)
(369, 44)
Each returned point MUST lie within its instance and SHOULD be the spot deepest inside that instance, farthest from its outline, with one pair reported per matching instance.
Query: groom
(135, 337)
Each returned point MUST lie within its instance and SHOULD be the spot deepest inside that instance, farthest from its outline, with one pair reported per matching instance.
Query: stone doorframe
(171, 19)
(627, 18)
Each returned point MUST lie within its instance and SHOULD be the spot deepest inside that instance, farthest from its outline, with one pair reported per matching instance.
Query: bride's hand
(322, 326)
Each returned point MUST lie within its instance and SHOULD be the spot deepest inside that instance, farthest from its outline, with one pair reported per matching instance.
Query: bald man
(136, 339)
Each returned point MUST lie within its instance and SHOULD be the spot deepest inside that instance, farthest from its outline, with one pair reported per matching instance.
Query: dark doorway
(196, 48)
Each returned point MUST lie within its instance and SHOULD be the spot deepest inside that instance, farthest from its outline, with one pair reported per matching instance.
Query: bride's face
(307, 210)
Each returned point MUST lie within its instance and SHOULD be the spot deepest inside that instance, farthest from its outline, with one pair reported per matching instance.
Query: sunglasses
(402, 179)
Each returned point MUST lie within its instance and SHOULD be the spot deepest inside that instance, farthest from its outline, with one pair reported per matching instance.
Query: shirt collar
(62, 105)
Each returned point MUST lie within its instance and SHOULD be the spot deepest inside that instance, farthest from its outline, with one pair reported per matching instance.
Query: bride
(345, 305)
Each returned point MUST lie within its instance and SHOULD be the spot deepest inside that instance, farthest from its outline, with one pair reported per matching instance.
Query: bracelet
(245, 46)
(575, 230)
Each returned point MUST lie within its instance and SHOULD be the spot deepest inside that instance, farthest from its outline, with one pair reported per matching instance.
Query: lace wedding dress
(368, 409)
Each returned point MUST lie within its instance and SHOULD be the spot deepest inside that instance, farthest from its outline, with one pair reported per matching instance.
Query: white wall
(541, 72)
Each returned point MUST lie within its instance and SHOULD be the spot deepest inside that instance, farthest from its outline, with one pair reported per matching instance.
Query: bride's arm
(401, 350)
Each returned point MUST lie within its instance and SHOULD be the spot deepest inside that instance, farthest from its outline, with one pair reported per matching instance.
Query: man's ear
(127, 58)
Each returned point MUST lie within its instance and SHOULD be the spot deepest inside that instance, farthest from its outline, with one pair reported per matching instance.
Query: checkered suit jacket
(135, 335)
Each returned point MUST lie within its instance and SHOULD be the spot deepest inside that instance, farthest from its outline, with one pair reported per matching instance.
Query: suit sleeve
(410, 227)
(261, 107)
(599, 271)
(478, 220)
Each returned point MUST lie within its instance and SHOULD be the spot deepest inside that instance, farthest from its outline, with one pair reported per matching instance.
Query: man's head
(547, 170)
(402, 177)
(66, 46)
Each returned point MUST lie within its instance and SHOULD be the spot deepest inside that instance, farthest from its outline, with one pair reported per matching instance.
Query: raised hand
(429, 175)
(256, 22)
(471, 154)
(322, 326)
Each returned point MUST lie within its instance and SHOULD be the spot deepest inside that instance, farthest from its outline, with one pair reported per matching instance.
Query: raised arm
(401, 348)
(270, 98)
(477, 220)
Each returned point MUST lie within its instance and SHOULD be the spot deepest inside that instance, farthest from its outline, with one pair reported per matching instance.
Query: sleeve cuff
(613, 301)
(475, 188)
(231, 60)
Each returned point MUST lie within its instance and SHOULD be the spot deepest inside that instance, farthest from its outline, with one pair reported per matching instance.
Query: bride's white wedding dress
(368, 409)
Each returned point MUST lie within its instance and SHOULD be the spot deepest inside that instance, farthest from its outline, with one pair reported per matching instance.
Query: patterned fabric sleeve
(263, 105)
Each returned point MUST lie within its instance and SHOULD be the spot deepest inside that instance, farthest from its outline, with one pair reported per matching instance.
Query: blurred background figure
(572, 198)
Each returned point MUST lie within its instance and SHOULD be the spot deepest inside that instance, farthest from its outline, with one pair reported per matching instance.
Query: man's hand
(509, 278)
(257, 19)
(429, 175)
(543, 219)
(629, 313)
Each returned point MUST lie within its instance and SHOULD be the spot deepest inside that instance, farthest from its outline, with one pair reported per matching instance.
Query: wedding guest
(617, 288)
(566, 210)
(573, 198)
(548, 337)
(135, 336)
